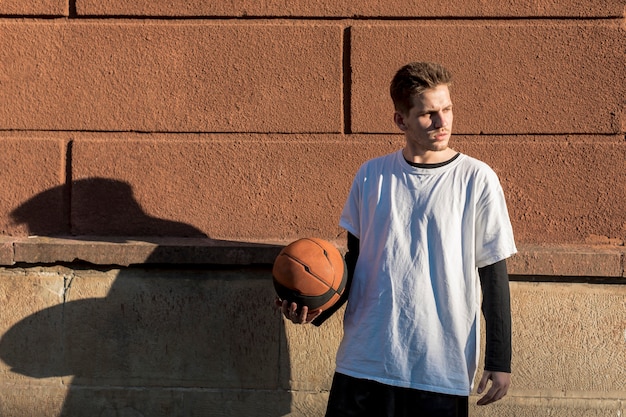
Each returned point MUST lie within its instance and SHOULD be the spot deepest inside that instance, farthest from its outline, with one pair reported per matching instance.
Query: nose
(439, 120)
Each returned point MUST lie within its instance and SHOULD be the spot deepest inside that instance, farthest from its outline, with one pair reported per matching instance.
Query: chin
(440, 147)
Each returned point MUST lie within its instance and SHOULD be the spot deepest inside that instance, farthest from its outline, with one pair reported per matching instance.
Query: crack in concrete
(67, 285)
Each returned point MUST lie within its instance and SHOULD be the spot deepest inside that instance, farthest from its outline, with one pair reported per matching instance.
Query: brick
(347, 8)
(32, 167)
(300, 186)
(299, 339)
(547, 407)
(34, 8)
(32, 399)
(566, 372)
(239, 403)
(6, 250)
(219, 186)
(99, 251)
(171, 76)
(554, 188)
(22, 294)
(511, 78)
(568, 338)
(564, 261)
(142, 328)
(561, 261)
(127, 251)
(167, 401)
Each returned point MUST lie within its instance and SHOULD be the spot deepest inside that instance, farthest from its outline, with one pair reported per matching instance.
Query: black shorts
(354, 397)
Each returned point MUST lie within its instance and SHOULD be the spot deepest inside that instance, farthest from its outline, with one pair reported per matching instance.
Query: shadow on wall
(162, 342)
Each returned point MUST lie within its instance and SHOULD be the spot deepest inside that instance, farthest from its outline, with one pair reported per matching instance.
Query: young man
(428, 234)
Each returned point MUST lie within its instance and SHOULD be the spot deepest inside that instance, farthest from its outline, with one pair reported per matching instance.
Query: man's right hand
(290, 311)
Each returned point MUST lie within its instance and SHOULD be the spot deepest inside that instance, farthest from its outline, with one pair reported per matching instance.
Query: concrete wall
(163, 152)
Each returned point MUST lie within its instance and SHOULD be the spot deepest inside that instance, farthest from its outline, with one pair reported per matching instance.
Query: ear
(398, 119)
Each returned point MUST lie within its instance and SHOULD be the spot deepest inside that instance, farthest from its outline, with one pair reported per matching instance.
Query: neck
(428, 157)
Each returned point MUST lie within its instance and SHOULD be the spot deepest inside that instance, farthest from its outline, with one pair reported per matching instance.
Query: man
(428, 231)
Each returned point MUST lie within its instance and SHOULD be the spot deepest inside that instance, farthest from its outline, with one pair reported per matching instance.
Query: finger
(291, 308)
(293, 313)
(303, 314)
(485, 399)
(493, 395)
(483, 383)
(313, 315)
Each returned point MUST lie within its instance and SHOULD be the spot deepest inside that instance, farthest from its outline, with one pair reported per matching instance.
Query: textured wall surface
(158, 342)
(164, 151)
(258, 113)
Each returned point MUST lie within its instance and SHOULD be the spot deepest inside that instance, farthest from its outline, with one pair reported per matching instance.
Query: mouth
(441, 135)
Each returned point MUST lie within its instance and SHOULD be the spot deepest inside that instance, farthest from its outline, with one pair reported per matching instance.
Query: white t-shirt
(413, 312)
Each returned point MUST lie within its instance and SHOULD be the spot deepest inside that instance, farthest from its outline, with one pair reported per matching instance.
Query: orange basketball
(310, 272)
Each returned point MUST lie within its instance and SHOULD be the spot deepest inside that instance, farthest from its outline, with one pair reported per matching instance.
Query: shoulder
(477, 169)
(378, 164)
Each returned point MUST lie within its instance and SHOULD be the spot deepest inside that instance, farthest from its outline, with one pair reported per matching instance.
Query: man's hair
(413, 79)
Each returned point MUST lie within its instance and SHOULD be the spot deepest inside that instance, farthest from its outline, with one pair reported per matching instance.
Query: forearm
(496, 307)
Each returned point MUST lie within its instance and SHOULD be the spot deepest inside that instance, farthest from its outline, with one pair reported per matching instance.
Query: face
(428, 125)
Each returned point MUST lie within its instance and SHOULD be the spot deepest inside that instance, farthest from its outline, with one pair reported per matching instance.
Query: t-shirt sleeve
(349, 219)
(494, 233)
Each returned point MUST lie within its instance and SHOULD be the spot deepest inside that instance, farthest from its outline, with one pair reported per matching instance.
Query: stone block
(547, 407)
(510, 77)
(308, 404)
(147, 328)
(50, 401)
(171, 76)
(34, 8)
(237, 403)
(32, 399)
(347, 8)
(311, 351)
(129, 251)
(553, 189)
(299, 188)
(567, 261)
(22, 294)
(142, 339)
(32, 166)
(160, 341)
(221, 188)
(6, 251)
(568, 340)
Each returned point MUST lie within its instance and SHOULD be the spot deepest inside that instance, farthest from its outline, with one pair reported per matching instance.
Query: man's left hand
(500, 382)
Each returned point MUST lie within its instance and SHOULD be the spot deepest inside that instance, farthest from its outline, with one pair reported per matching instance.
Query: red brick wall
(246, 120)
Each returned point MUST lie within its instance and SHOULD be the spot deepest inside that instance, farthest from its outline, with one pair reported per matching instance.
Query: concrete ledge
(128, 251)
(569, 260)
(535, 260)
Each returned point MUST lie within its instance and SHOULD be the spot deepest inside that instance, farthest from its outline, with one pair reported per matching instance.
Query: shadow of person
(100, 207)
(149, 340)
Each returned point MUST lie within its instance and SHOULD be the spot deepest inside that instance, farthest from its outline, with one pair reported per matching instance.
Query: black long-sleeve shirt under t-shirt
(496, 307)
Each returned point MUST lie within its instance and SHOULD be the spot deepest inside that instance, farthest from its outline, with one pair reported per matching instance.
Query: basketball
(310, 272)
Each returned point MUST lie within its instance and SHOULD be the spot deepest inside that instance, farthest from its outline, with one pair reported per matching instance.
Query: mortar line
(253, 132)
(72, 14)
(67, 197)
(347, 81)
(477, 19)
